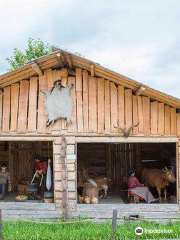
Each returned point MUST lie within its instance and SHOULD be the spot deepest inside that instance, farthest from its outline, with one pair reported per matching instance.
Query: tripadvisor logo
(139, 231)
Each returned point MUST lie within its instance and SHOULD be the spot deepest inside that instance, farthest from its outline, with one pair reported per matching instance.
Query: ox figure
(159, 179)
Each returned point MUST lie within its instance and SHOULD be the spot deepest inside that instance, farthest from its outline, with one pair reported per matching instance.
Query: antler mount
(125, 131)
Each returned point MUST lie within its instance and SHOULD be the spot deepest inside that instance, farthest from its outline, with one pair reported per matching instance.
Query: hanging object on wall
(125, 131)
(58, 103)
(48, 176)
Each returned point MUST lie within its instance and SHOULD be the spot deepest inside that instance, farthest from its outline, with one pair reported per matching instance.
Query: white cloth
(144, 193)
(48, 177)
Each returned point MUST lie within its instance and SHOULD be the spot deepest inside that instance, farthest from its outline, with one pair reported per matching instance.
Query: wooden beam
(26, 138)
(69, 60)
(140, 91)
(60, 59)
(37, 69)
(92, 70)
(139, 139)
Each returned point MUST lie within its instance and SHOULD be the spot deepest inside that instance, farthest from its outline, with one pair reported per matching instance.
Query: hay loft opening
(113, 160)
(21, 165)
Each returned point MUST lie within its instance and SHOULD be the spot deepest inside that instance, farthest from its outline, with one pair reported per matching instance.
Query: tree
(35, 49)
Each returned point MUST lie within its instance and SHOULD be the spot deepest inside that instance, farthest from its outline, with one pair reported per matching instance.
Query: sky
(137, 38)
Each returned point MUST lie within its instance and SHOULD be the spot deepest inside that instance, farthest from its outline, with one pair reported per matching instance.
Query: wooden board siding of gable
(146, 115)
(72, 127)
(135, 114)
(56, 76)
(173, 121)
(140, 114)
(92, 104)
(85, 101)
(107, 106)
(1, 108)
(167, 121)
(50, 85)
(154, 117)
(14, 106)
(32, 113)
(42, 119)
(79, 83)
(128, 108)
(114, 107)
(121, 103)
(178, 123)
(6, 110)
(64, 83)
(161, 119)
(100, 95)
(23, 106)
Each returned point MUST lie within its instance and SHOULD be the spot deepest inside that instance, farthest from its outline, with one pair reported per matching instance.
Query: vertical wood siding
(32, 114)
(99, 105)
(6, 110)
(23, 106)
(15, 106)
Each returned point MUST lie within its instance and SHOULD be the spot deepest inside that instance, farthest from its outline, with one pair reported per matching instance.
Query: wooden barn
(103, 101)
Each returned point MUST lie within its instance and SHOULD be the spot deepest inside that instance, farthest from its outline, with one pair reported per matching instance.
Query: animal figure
(125, 131)
(58, 103)
(159, 179)
(101, 183)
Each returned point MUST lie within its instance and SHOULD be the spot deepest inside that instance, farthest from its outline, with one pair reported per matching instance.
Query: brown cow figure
(159, 179)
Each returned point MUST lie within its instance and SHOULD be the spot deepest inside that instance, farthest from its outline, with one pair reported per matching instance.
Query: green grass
(20, 230)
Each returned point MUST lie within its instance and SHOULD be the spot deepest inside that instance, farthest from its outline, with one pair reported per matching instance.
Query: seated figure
(137, 188)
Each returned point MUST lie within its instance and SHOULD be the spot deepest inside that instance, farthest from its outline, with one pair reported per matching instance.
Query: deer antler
(129, 130)
(119, 128)
(125, 131)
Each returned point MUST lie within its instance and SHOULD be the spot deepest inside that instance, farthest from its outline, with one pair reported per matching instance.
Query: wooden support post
(140, 91)
(37, 69)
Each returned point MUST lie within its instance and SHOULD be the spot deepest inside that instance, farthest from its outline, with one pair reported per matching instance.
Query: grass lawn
(86, 230)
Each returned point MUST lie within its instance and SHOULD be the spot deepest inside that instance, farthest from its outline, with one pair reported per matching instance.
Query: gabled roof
(61, 58)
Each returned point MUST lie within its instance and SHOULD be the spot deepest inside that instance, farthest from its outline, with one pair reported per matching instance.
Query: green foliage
(85, 231)
(35, 49)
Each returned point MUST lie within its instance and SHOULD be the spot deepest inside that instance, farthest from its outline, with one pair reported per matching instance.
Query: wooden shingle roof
(61, 58)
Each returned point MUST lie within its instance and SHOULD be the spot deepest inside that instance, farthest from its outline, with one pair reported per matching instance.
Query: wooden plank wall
(99, 105)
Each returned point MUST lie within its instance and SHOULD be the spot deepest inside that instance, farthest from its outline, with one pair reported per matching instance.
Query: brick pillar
(72, 172)
(57, 173)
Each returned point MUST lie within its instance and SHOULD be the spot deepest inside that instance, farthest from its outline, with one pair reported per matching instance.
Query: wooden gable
(100, 105)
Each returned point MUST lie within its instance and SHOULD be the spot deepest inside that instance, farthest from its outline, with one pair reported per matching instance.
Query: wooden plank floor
(103, 210)
(10, 197)
(112, 198)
